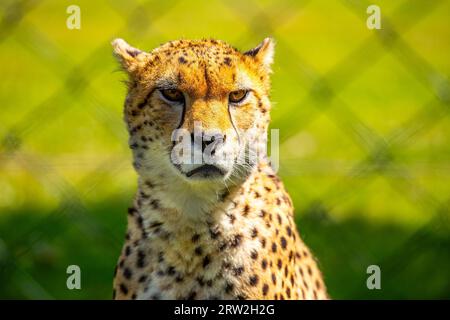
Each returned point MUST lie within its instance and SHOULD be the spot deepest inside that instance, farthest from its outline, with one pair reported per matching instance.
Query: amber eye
(172, 95)
(237, 96)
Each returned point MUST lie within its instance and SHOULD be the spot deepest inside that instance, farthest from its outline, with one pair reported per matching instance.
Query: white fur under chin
(191, 199)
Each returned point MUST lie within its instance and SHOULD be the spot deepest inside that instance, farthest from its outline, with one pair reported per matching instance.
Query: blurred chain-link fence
(363, 119)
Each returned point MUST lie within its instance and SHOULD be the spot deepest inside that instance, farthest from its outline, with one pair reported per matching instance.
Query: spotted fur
(232, 238)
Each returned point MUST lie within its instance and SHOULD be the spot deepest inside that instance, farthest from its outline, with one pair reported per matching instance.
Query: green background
(364, 132)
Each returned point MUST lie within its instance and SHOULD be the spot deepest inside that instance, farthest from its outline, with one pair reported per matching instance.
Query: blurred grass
(35, 255)
(363, 119)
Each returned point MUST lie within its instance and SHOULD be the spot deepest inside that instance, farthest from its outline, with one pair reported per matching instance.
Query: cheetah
(218, 230)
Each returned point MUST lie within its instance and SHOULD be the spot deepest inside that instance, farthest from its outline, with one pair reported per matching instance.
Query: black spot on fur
(229, 287)
(206, 261)
(198, 251)
(224, 195)
(289, 231)
(309, 270)
(214, 233)
(195, 237)
(263, 242)
(227, 61)
(262, 214)
(274, 247)
(140, 263)
(200, 281)
(155, 204)
(115, 270)
(127, 273)
(155, 224)
(237, 271)
(131, 211)
(265, 289)
(139, 221)
(171, 271)
(223, 246)
(254, 280)
(283, 242)
(246, 210)
(192, 295)
(123, 289)
(236, 241)
(264, 264)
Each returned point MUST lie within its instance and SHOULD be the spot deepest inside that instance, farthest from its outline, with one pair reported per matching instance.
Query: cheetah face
(199, 108)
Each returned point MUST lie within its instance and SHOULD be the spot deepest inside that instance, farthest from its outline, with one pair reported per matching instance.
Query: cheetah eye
(237, 96)
(172, 95)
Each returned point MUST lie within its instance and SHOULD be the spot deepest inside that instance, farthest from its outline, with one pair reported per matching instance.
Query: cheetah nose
(209, 139)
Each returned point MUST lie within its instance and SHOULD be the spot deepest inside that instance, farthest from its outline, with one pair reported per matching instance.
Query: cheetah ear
(130, 58)
(263, 53)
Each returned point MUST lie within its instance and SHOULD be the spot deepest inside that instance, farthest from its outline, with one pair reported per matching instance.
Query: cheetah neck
(159, 222)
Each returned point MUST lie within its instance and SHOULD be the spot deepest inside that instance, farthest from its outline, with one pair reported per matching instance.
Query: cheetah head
(198, 109)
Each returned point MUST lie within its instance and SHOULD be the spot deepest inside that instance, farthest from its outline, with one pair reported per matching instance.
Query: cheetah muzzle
(219, 225)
